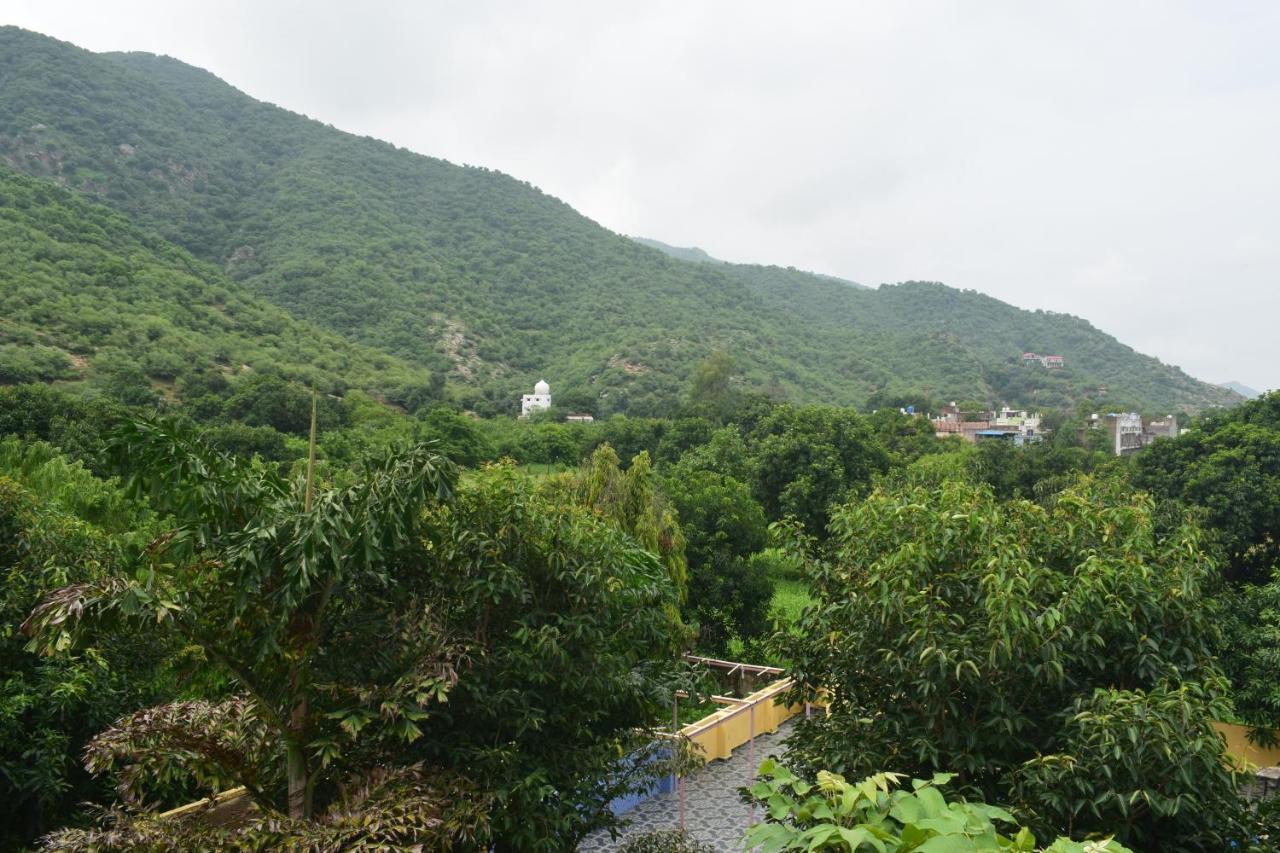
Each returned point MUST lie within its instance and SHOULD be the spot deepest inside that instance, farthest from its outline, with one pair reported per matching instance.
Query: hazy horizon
(1115, 163)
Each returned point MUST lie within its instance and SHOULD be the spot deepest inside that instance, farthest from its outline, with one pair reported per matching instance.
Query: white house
(538, 400)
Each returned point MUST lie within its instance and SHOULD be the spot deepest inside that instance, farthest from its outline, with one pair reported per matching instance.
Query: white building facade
(539, 400)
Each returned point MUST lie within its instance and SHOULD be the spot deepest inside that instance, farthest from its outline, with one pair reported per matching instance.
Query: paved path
(713, 812)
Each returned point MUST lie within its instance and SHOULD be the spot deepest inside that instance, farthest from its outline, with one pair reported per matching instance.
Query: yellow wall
(1244, 752)
(718, 734)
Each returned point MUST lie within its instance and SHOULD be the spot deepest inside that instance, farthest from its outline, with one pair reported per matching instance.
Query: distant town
(1128, 432)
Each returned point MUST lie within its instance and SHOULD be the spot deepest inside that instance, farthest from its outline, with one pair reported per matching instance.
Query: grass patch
(790, 596)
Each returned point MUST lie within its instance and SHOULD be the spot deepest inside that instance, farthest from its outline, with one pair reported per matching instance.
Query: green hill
(469, 271)
(86, 296)
(1242, 389)
(681, 253)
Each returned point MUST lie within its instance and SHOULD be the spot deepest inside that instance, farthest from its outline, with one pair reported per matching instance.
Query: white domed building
(540, 399)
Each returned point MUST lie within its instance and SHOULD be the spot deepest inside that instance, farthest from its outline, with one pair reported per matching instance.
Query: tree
(263, 400)
(728, 595)
(1229, 468)
(59, 524)
(630, 501)
(724, 452)
(575, 661)
(681, 436)
(459, 437)
(905, 437)
(1010, 642)
(806, 459)
(1032, 470)
(296, 595)
(1250, 651)
(73, 424)
(711, 391)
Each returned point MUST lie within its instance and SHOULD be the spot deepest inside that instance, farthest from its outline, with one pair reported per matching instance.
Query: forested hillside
(467, 271)
(85, 296)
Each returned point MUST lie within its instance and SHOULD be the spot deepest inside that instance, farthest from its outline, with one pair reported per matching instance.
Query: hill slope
(84, 295)
(471, 271)
(1242, 389)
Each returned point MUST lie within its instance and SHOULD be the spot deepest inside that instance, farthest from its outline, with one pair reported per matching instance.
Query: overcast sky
(1115, 160)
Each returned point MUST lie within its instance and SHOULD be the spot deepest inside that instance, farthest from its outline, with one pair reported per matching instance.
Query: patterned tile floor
(713, 813)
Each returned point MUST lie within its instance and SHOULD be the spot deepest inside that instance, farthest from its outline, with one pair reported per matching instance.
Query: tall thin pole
(675, 731)
(311, 457)
(751, 762)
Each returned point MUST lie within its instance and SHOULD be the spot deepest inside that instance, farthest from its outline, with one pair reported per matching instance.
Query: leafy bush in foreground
(833, 814)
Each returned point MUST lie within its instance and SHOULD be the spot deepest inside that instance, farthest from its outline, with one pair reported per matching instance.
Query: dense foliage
(1058, 658)
(1228, 469)
(572, 664)
(87, 297)
(284, 590)
(833, 814)
(349, 630)
(1226, 472)
(729, 595)
(59, 524)
(400, 809)
(469, 271)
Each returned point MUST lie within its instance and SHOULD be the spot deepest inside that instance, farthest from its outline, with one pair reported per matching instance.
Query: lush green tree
(298, 596)
(631, 436)
(420, 396)
(725, 452)
(74, 424)
(458, 435)
(1250, 652)
(718, 516)
(1229, 469)
(808, 458)
(723, 525)
(729, 599)
(1030, 471)
(632, 501)
(60, 524)
(711, 389)
(242, 440)
(905, 437)
(33, 363)
(264, 400)
(1011, 642)
(574, 661)
(684, 434)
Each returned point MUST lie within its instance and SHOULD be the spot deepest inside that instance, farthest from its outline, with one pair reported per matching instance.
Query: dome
(542, 387)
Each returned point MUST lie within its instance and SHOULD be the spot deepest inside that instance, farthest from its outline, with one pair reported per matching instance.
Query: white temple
(538, 400)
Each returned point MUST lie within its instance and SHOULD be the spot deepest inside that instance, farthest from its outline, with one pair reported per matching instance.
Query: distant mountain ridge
(471, 273)
(1241, 389)
(692, 253)
(696, 255)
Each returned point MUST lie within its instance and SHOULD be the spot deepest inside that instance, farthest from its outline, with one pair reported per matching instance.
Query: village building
(1008, 424)
(538, 401)
(1048, 361)
(1129, 432)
